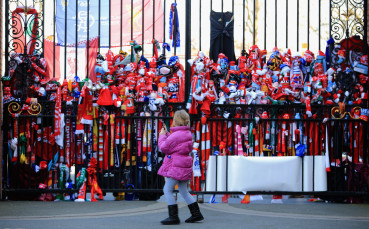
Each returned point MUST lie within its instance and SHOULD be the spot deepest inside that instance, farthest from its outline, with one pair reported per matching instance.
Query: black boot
(195, 213)
(173, 215)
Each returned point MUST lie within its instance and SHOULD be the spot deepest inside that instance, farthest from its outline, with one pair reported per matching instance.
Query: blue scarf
(173, 17)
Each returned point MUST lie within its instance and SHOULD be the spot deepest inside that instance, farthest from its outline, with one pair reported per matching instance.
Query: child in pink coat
(177, 166)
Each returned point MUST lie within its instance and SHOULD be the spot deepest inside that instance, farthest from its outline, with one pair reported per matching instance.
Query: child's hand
(163, 130)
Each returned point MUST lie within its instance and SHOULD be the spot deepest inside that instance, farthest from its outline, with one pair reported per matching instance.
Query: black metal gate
(125, 143)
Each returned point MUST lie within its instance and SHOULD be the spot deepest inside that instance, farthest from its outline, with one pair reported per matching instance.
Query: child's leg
(168, 190)
(182, 188)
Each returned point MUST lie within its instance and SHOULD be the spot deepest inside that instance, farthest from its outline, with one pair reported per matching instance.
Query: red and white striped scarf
(68, 139)
(139, 135)
(106, 142)
(147, 137)
(222, 132)
(194, 86)
(129, 124)
(120, 137)
(204, 145)
(238, 141)
(112, 121)
(255, 132)
(95, 133)
(101, 146)
(120, 132)
(57, 113)
(283, 135)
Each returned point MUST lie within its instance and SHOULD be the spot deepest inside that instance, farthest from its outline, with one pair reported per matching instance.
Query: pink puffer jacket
(177, 148)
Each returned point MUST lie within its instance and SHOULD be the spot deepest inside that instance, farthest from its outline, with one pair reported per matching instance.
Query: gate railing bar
(319, 39)
(6, 31)
(132, 19)
(18, 148)
(121, 24)
(165, 6)
(88, 37)
(54, 38)
(347, 34)
(1, 102)
(175, 14)
(308, 25)
(43, 28)
(265, 19)
(275, 23)
(298, 25)
(211, 10)
(99, 25)
(153, 27)
(243, 26)
(29, 167)
(330, 19)
(143, 25)
(253, 23)
(188, 48)
(365, 37)
(76, 47)
(286, 23)
(65, 40)
(366, 150)
(352, 136)
(222, 36)
(200, 25)
(232, 6)
(109, 23)
(25, 29)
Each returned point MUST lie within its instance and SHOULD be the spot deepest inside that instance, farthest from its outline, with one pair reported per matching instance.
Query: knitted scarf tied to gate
(174, 26)
(17, 22)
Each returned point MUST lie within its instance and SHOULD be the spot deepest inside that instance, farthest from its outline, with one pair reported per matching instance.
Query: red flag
(49, 57)
(91, 56)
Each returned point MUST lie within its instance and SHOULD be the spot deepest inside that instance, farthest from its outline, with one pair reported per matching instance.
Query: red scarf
(57, 112)
(34, 33)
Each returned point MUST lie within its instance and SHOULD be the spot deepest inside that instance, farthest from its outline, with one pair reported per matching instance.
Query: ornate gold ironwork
(35, 109)
(14, 108)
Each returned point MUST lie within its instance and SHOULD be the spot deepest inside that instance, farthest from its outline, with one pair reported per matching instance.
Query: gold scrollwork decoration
(35, 109)
(340, 113)
(14, 108)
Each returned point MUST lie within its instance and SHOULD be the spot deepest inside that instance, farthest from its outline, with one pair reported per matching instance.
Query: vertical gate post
(330, 19)
(365, 37)
(1, 100)
(1, 131)
(188, 49)
(1, 37)
(6, 34)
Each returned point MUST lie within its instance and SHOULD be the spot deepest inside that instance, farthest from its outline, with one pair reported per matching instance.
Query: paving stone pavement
(292, 213)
